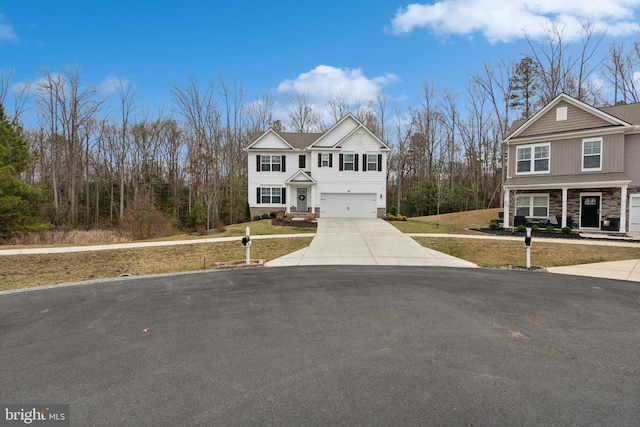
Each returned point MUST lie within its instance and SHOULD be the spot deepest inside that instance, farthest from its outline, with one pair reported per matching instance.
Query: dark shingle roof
(630, 113)
(299, 141)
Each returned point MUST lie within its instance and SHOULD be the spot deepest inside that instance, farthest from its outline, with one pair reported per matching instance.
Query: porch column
(507, 209)
(565, 192)
(313, 200)
(623, 209)
(288, 205)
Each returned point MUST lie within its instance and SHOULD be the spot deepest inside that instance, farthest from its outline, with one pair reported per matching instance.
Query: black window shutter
(284, 195)
(330, 160)
(379, 162)
(355, 161)
(284, 163)
(341, 159)
(258, 196)
(302, 161)
(319, 160)
(258, 163)
(364, 163)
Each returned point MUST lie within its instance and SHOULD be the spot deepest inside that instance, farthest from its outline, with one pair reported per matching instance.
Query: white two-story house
(576, 165)
(341, 173)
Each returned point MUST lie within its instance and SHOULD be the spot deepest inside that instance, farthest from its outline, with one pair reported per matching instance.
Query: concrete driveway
(346, 241)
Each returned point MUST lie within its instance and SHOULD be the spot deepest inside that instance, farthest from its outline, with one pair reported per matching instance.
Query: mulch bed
(300, 224)
(536, 234)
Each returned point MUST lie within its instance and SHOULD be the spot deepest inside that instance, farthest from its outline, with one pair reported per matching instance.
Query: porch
(592, 209)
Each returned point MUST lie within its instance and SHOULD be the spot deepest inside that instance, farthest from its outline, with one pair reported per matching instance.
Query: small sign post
(527, 243)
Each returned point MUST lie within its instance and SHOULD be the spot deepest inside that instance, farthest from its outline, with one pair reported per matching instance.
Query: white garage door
(348, 205)
(634, 213)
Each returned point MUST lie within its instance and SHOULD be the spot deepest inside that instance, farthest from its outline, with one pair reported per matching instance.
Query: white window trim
(375, 162)
(352, 162)
(533, 158)
(584, 141)
(271, 196)
(324, 160)
(531, 206)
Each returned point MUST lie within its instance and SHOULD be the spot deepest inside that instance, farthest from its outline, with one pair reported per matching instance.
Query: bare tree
(302, 114)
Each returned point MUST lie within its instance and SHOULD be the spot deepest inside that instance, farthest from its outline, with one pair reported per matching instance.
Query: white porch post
(287, 207)
(507, 209)
(623, 209)
(313, 199)
(565, 192)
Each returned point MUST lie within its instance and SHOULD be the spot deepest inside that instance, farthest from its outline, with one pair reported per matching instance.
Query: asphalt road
(332, 345)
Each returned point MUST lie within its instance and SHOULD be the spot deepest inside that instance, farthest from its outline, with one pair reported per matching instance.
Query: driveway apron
(347, 241)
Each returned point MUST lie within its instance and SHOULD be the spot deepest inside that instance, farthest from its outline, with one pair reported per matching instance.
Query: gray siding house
(575, 165)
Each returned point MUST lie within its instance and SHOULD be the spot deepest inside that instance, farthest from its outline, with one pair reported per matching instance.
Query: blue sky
(348, 47)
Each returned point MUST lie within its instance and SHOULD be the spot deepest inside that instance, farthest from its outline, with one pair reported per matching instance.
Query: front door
(302, 200)
(590, 211)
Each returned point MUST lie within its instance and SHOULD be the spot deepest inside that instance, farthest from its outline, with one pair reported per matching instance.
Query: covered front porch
(301, 188)
(598, 206)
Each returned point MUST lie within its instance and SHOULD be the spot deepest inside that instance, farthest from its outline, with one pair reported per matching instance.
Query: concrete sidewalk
(346, 241)
(620, 270)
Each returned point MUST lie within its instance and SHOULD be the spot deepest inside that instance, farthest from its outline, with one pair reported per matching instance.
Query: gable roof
(359, 126)
(302, 141)
(606, 114)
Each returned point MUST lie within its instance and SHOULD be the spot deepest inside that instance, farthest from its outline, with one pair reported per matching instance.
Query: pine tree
(523, 87)
(17, 199)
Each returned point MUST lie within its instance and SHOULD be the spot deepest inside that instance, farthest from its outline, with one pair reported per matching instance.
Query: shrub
(287, 220)
(265, 216)
(535, 227)
(391, 217)
(550, 229)
(494, 224)
(280, 216)
(221, 227)
(401, 218)
(308, 218)
(272, 214)
(566, 230)
(257, 218)
(521, 228)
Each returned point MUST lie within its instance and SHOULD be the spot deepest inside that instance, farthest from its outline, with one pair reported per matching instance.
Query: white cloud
(110, 85)
(6, 30)
(506, 20)
(325, 81)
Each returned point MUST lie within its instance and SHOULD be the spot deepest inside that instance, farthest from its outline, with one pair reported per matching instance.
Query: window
(372, 162)
(325, 160)
(265, 162)
(271, 163)
(275, 163)
(271, 195)
(532, 159)
(533, 205)
(592, 154)
(348, 162)
(302, 161)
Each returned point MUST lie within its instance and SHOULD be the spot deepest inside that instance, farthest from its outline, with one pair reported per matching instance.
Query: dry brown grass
(25, 271)
(501, 253)
(451, 223)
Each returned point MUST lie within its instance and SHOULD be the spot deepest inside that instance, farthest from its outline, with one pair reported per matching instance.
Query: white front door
(302, 200)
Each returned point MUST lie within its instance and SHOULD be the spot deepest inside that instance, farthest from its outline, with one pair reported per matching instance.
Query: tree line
(97, 161)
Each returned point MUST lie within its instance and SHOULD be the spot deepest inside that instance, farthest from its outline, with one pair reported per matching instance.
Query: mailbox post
(527, 243)
(246, 242)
